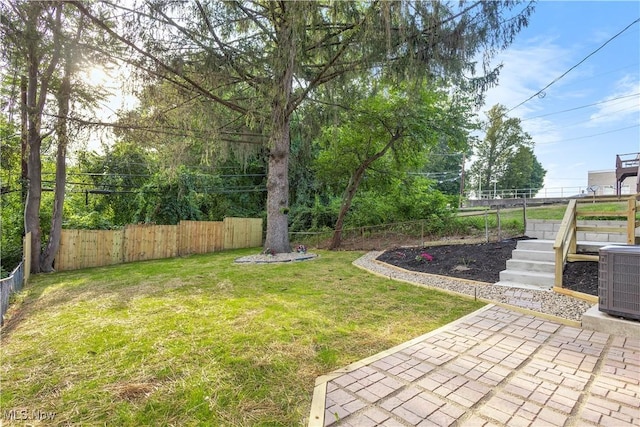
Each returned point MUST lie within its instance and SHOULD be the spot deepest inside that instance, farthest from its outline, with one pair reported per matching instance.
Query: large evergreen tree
(261, 60)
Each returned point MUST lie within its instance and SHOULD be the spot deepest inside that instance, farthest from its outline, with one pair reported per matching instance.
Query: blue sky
(559, 36)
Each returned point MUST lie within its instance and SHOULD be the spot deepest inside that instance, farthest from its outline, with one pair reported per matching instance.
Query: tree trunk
(352, 187)
(24, 139)
(347, 198)
(34, 166)
(37, 89)
(64, 94)
(277, 238)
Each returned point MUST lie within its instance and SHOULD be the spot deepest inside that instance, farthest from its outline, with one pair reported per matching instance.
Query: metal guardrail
(8, 286)
(543, 193)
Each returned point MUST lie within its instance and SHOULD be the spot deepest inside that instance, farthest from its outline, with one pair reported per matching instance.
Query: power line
(580, 107)
(115, 189)
(153, 164)
(565, 126)
(436, 174)
(575, 66)
(595, 76)
(129, 175)
(589, 136)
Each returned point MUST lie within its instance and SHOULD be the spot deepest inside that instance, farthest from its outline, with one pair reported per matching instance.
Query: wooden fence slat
(243, 232)
(117, 255)
(61, 256)
(218, 237)
(197, 237)
(65, 251)
(101, 253)
(228, 235)
(256, 232)
(184, 230)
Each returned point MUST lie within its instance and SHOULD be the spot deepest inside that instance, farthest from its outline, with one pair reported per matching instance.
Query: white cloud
(624, 109)
(525, 71)
(542, 131)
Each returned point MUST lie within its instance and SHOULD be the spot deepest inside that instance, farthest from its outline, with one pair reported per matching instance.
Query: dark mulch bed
(482, 262)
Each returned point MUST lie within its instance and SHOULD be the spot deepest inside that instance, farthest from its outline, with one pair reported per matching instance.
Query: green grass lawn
(201, 340)
(557, 212)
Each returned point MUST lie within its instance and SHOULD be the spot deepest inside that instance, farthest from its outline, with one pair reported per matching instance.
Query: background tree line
(312, 115)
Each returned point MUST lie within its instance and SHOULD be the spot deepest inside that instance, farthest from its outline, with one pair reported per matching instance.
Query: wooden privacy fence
(94, 248)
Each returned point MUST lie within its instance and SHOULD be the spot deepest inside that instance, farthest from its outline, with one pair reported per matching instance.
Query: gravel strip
(547, 302)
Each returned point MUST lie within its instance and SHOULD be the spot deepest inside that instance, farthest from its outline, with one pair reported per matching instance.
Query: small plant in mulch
(467, 261)
(301, 249)
(400, 255)
(269, 252)
(424, 257)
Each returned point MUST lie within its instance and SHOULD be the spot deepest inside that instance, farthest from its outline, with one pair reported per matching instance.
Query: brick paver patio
(494, 367)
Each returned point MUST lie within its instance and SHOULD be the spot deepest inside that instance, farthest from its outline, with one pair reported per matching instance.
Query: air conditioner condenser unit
(619, 281)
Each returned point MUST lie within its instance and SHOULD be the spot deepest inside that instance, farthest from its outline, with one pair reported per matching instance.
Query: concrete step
(523, 254)
(547, 245)
(528, 265)
(528, 278)
(532, 264)
(524, 286)
(535, 245)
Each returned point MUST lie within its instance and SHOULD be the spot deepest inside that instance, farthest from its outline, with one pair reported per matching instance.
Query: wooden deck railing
(627, 165)
(566, 240)
(566, 243)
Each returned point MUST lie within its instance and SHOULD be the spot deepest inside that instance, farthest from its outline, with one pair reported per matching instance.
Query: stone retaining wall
(548, 229)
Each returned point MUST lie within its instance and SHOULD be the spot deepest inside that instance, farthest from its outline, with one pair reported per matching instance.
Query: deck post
(631, 221)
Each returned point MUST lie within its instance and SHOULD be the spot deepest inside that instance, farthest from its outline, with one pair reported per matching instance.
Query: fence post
(631, 221)
(26, 256)
(486, 226)
(524, 215)
(499, 224)
(386, 234)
